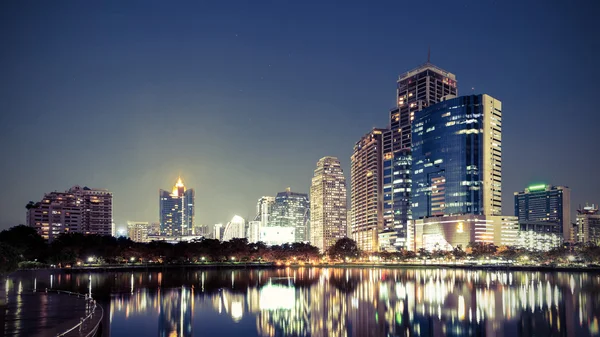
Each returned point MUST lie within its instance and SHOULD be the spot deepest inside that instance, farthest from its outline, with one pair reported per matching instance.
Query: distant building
(290, 209)
(277, 235)
(264, 208)
(539, 236)
(253, 234)
(328, 204)
(416, 89)
(235, 229)
(588, 225)
(78, 210)
(366, 191)
(176, 210)
(545, 209)
(218, 231)
(138, 231)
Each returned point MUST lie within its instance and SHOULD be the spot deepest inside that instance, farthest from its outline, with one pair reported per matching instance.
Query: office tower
(416, 90)
(545, 209)
(366, 180)
(253, 234)
(328, 204)
(263, 210)
(138, 231)
(78, 210)
(588, 225)
(277, 235)
(457, 158)
(291, 210)
(235, 229)
(176, 210)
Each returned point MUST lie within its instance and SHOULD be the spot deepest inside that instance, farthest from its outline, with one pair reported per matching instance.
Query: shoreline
(321, 265)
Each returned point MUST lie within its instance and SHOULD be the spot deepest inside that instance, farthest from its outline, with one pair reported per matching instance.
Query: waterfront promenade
(52, 313)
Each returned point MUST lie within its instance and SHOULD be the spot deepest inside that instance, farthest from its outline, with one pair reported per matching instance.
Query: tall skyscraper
(176, 210)
(291, 210)
(416, 90)
(588, 225)
(235, 229)
(78, 210)
(367, 190)
(328, 204)
(546, 209)
(263, 210)
(457, 158)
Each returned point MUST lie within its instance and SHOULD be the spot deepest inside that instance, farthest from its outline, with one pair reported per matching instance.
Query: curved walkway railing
(93, 310)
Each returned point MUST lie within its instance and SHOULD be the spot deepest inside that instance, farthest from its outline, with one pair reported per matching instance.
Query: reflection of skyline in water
(356, 302)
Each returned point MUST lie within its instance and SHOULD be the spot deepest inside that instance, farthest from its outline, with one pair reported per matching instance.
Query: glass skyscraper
(291, 209)
(457, 158)
(176, 210)
(416, 90)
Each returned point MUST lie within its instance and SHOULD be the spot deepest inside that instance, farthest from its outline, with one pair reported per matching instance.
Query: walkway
(41, 314)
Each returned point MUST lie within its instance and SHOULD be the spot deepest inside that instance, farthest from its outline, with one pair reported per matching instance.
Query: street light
(132, 259)
(90, 259)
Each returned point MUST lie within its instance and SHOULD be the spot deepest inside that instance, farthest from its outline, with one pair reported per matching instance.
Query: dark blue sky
(242, 98)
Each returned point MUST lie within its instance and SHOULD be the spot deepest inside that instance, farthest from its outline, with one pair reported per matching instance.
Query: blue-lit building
(176, 210)
(457, 158)
(544, 209)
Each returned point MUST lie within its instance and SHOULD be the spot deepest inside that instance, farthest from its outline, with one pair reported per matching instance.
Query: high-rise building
(457, 158)
(176, 210)
(253, 233)
(78, 210)
(545, 209)
(263, 210)
(366, 180)
(416, 90)
(588, 224)
(291, 210)
(235, 229)
(138, 231)
(328, 204)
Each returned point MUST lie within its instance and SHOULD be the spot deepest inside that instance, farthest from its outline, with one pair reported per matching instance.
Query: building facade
(588, 225)
(138, 231)
(78, 210)
(457, 158)
(366, 190)
(235, 229)
(545, 209)
(253, 231)
(328, 204)
(291, 209)
(277, 235)
(449, 232)
(176, 210)
(416, 90)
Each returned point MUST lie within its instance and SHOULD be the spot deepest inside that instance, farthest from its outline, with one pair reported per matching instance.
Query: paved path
(41, 314)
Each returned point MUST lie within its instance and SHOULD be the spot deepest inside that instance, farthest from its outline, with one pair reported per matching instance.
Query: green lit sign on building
(537, 187)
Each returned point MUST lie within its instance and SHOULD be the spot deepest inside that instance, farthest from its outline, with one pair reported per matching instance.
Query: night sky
(242, 98)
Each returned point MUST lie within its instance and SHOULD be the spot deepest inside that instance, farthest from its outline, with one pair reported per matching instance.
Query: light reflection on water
(343, 302)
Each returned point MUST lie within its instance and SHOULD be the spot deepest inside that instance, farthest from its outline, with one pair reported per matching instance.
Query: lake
(334, 301)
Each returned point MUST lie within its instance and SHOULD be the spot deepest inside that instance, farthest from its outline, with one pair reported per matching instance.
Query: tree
(344, 248)
(28, 243)
(9, 258)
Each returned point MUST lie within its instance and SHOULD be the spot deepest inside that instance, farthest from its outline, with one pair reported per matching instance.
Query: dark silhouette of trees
(344, 248)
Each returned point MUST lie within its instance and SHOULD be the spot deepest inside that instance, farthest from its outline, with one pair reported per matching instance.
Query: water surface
(336, 301)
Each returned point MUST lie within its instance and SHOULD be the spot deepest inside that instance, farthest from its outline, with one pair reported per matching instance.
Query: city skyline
(184, 87)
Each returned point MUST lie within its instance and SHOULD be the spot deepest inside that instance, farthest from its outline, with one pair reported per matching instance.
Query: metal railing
(92, 306)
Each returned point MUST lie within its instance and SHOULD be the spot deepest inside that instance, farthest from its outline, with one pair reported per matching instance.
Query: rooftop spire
(428, 54)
